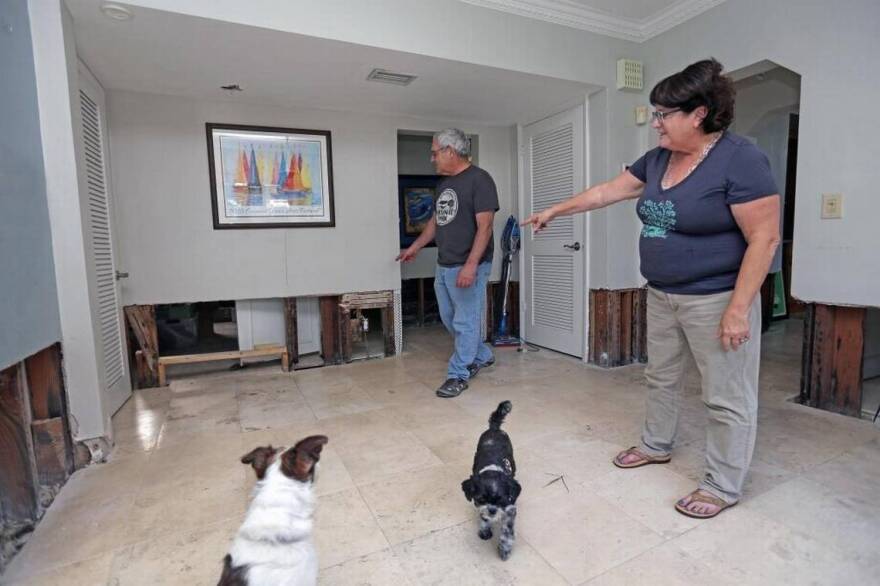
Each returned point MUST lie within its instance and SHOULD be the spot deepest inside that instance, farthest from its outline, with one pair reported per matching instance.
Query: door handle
(121, 275)
(576, 246)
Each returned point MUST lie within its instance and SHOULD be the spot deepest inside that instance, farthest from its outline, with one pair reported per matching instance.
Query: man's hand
(466, 276)
(407, 255)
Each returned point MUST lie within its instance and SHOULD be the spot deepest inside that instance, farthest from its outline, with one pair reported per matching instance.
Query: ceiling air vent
(383, 76)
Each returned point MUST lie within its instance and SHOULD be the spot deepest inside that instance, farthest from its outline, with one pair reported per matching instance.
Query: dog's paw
(485, 533)
(504, 552)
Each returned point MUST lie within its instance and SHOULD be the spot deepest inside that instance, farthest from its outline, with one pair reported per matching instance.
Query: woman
(710, 214)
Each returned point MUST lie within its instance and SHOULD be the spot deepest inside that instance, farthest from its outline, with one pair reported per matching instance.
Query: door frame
(584, 238)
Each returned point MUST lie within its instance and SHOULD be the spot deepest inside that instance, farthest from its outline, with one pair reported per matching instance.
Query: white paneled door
(95, 185)
(554, 261)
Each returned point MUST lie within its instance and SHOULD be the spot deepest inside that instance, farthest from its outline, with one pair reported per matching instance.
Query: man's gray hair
(454, 139)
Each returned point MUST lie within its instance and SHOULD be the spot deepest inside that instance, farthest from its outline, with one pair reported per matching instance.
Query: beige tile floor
(390, 510)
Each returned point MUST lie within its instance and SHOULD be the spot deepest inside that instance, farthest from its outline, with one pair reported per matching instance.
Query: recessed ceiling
(632, 20)
(169, 53)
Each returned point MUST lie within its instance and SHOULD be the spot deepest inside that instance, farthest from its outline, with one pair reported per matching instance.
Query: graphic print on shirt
(658, 218)
(447, 206)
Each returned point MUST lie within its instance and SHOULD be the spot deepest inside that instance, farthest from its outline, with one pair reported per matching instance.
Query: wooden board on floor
(165, 361)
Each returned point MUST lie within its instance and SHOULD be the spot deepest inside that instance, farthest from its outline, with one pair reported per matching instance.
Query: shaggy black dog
(492, 486)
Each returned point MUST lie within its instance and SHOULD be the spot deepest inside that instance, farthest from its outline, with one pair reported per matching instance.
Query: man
(462, 228)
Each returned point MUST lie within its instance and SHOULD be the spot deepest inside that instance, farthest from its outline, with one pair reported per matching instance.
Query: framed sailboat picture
(264, 177)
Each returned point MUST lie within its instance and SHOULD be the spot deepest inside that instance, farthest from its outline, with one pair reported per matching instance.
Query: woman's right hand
(539, 221)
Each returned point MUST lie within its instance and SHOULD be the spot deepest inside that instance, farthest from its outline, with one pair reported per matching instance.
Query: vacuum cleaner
(510, 241)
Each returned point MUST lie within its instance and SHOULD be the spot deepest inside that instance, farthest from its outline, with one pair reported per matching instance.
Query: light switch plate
(832, 206)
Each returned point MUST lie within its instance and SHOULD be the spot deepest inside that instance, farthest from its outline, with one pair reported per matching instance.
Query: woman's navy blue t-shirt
(690, 241)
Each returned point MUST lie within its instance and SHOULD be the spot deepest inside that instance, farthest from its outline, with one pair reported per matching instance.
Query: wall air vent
(629, 75)
(384, 76)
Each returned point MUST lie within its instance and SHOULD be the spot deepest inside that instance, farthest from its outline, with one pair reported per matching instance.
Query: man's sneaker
(474, 368)
(453, 387)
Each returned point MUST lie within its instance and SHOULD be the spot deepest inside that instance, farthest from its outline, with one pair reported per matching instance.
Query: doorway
(767, 112)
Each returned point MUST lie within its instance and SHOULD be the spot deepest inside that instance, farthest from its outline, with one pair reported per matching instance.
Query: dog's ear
(471, 488)
(299, 463)
(260, 459)
(513, 491)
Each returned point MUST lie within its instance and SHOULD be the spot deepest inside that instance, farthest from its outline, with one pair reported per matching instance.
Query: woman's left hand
(733, 329)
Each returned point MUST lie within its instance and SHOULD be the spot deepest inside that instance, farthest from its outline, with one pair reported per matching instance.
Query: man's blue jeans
(461, 309)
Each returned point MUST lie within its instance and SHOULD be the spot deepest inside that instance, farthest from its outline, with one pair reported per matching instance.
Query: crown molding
(575, 15)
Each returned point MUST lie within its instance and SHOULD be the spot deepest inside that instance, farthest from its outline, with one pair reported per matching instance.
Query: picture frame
(270, 177)
(416, 198)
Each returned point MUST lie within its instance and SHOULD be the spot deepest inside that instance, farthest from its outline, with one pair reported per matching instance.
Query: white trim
(588, 182)
(521, 201)
(575, 15)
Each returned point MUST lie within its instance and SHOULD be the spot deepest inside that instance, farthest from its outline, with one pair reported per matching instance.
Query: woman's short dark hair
(699, 84)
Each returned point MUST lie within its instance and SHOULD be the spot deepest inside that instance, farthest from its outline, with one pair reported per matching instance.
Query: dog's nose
(493, 510)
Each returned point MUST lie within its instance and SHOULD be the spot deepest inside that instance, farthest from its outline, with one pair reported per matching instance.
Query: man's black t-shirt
(461, 197)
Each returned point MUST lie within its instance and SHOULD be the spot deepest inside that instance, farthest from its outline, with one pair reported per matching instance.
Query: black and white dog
(492, 486)
(274, 544)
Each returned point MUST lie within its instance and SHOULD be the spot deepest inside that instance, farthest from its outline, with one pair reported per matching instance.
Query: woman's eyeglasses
(661, 116)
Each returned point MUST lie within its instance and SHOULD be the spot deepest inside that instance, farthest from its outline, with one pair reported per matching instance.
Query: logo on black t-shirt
(447, 206)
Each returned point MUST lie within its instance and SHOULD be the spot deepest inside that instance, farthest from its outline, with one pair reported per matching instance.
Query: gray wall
(834, 49)
(474, 34)
(165, 235)
(29, 311)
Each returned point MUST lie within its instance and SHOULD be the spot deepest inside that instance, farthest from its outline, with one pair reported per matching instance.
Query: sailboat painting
(265, 177)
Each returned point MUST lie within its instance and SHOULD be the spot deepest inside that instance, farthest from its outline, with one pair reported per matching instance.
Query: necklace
(667, 184)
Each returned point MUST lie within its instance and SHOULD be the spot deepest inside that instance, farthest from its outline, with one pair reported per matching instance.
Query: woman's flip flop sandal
(700, 496)
(644, 459)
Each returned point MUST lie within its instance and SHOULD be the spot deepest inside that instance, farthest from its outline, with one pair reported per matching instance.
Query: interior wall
(166, 240)
(29, 312)
(614, 231)
(55, 67)
(473, 34)
(834, 260)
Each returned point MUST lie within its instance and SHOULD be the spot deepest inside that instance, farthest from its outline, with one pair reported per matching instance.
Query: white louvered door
(554, 261)
(95, 186)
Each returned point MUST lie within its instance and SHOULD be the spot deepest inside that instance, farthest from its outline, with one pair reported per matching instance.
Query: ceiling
(632, 20)
(169, 53)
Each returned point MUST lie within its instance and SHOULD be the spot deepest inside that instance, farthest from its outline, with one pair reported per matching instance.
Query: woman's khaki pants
(729, 382)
